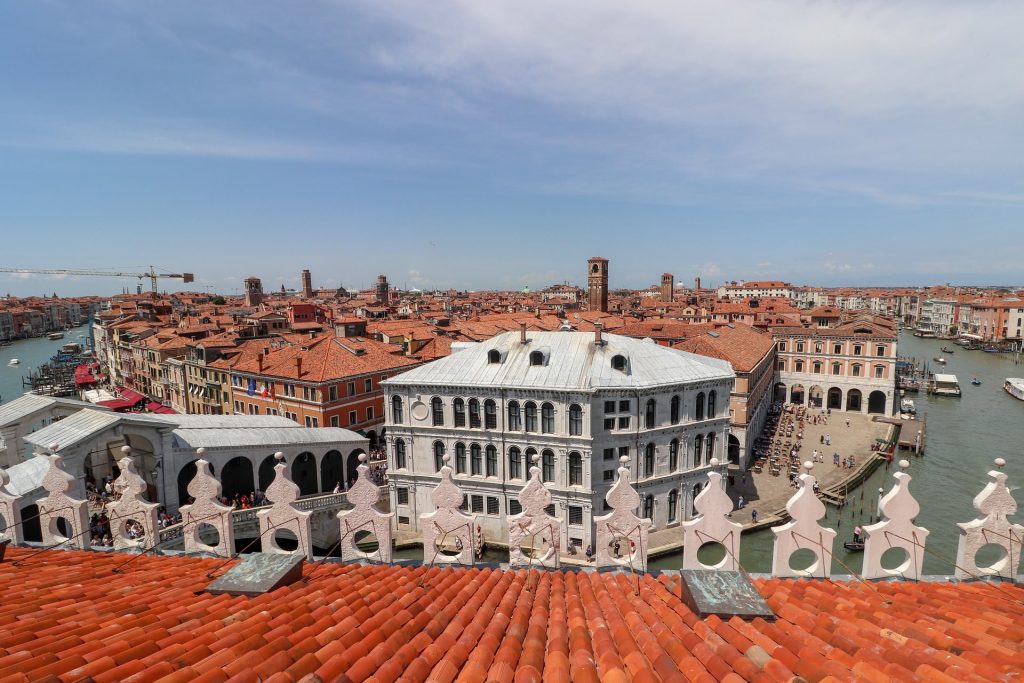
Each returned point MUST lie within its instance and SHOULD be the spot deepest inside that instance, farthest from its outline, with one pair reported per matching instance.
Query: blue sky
(500, 144)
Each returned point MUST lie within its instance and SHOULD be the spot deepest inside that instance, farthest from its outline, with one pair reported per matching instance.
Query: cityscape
(512, 343)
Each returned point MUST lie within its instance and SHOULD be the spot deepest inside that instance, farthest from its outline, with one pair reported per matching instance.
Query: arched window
(698, 408)
(515, 464)
(515, 418)
(619, 363)
(536, 358)
(492, 460)
(649, 460)
(674, 410)
(648, 512)
(396, 409)
(575, 469)
(712, 408)
(673, 455)
(530, 454)
(547, 461)
(698, 450)
(474, 413)
(437, 410)
(438, 455)
(855, 369)
(494, 356)
(710, 444)
(459, 410)
(673, 503)
(575, 420)
(531, 416)
(460, 458)
(649, 413)
(476, 464)
(547, 418)
(490, 414)
(400, 454)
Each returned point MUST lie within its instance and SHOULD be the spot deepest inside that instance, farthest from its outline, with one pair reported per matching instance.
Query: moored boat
(55, 335)
(946, 349)
(1014, 387)
(13, 361)
(939, 359)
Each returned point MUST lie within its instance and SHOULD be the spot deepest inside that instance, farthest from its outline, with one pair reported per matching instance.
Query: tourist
(740, 503)
(753, 516)
(835, 459)
(857, 532)
(847, 422)
(590, 553)
(337, 487)
(821, 438)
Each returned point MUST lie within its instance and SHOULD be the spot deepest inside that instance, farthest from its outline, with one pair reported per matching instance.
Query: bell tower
(597, 283)
(253, 291)
(668, 286)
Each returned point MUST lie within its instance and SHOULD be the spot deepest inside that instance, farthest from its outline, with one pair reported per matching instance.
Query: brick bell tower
(597, 283)
(668, 286)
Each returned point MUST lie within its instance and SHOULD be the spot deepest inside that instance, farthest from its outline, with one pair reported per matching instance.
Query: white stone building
(576, 400)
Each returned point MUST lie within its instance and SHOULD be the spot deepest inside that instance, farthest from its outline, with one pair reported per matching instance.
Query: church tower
(307, 285)
(597, 283)
(668, 286)
(253, 291)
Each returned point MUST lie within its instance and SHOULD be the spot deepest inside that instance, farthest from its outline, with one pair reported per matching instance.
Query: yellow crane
(152, 274)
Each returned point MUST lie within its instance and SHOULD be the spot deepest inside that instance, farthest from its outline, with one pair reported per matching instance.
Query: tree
(217, 300)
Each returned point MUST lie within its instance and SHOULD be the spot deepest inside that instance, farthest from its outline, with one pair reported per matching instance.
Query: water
(964, 436)
(32, 353)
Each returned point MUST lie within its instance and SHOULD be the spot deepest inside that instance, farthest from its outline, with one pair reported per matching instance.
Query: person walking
(753, 516)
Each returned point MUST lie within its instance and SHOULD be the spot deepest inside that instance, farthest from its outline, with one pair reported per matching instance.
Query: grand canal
(963, 437)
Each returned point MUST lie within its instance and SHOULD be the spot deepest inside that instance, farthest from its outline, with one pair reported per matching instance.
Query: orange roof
(74, 619)
(741, 345)
(327, 358)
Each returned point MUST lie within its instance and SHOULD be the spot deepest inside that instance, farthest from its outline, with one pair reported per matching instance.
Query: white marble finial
(127, 450)
(534, 526)
(449, 534)
(200, 451)
(132, 506)
(446, 458)
(207, 509)
(364, 516)
(622, 527)
(58, 504)
(535, 458)
(904, 464)
(624, 460)
(362, 457)
(279, 456)
(282, 492)
(712, 525)
(803, 532)
(713, 462)
(54, 447)
(808, 465)
(995, 503)
(897, 530)
(10, 511)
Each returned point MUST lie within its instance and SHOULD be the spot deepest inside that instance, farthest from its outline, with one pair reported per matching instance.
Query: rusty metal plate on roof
(258, 573)
(724, 594)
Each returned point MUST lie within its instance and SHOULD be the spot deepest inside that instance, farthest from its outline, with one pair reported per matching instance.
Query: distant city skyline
(498, 145)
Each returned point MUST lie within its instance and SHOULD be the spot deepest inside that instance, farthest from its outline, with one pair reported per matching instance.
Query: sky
(499, 144)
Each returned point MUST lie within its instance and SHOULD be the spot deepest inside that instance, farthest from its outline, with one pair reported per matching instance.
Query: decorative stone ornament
(803, 532)
(131, 507)
(59, 505)
(534, 528)
(449, 534)
(621, 535)
(10, 514)
(283, 515)
(996, 504)
(364, 516)
(897, 530)
(206, 510)
(712, 525)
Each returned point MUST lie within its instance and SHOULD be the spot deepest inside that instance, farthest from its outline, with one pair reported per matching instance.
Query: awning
(83, 376)
(155, 407)
(133, 397)
(118, 404)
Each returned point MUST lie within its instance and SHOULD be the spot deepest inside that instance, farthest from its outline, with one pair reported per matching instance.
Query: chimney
(522, 333)
(598, 327)
(259, 362)
(298, 367)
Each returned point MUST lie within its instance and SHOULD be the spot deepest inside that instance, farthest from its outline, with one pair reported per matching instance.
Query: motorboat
(13, 361)
(940, 360)
(1014, 387)
(55, 336)
(907, 406)
(946, 349)
(976, 382)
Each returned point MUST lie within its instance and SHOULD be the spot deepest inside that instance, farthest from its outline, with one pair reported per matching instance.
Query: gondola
(946, 349)
(854, 546)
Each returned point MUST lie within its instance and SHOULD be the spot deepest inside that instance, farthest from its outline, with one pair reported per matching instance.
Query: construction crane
(152, 274)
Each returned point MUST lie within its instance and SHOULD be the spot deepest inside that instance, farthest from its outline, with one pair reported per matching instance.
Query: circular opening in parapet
(895, 559)
(366, 541)
(534, 549)
(992, 556)
(132, 530)
(285, 539)
(208, 534)
(711, 553)
(449, 546)
(802, 560)
(62, 528)
(620, 547)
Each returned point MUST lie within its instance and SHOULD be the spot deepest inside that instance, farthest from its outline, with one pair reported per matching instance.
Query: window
(609, 406)
(710, 443)
(879, 371)
(254, 409)
(335, 422)
(623, 423)
(515, 420)
(673, 455)
(396, 409)
(609, 475)
(619, 363)
(712, 408)
(494, 356)
(403, 520)
(514, 507)
(309, 394)
(880, 350)
(291, 416)
(698, 450)
(624, 406)
(698, 408)
(575, 515)
(648, 511)
(332, 392)
(547, 465)
(536, 358)
(817, 347)
(575, 469)
(477, 503)
(474, 413)
(368, 385)
(531, 453)
(817, 367)
(459, 412)
(609, 454)
(465, 503)
(490, 414)
(437, 411)
(515, 465)
(438, 455)
(402, 495)
(531, 416)
(800, 347)
(550, 510)
(492, 505)
(781, 365)
(799, 366)
(288, 390)
(782, 346)
(649, 414)
(547, 418)
(609, 423)
(836, 367)
(837, 348)
(369, 413)
(649, 460)
(623, 451)
(492, 461)
(400, 454)
(460, 458)
(674, 410)
(575, 420)
(857, 349)
(239, 408)
(673, 503)
(352, 419)
(475, 460)
(350, 388)
(855, 369)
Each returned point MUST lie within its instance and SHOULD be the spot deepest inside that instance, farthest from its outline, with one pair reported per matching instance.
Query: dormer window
(536, 358)
(619, 362)
(494, 356)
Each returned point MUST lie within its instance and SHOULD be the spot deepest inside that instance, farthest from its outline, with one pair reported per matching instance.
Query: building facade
(575, 401)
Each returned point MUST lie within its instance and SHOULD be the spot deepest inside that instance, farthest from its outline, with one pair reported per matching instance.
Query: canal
(31, 353)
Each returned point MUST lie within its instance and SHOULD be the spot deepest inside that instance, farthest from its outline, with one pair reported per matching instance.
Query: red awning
(133, 397)
(83, 376)
(159, 409)
(117, 404)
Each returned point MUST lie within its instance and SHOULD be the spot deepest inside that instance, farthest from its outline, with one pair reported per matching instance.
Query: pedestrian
(835, 459)
(753, 516)
(590, 553)
(847, 422)
(615, 549)
(740, 503)
(821, 438)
